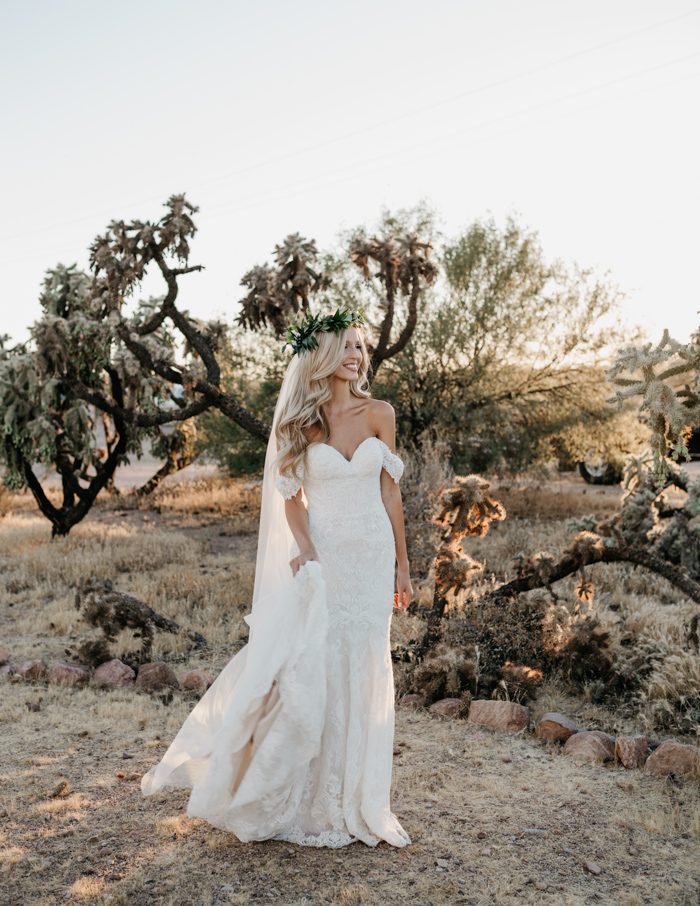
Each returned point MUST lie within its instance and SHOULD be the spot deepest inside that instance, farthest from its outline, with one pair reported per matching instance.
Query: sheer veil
(275, 539)
(262, 717)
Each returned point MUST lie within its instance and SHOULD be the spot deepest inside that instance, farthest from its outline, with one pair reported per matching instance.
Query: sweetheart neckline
(342, 455)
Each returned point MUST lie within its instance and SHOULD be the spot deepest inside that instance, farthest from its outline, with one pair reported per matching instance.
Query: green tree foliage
(507, 359)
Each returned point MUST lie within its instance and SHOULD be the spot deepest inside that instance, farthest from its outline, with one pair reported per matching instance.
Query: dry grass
(514, 821)
(555, 500)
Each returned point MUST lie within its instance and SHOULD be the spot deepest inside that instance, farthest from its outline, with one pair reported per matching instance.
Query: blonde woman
(294, 739)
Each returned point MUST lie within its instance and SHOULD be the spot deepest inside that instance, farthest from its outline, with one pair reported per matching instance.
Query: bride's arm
(298, 520)
(391, 495)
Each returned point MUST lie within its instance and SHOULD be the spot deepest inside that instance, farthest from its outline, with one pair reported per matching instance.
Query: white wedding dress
(294, 739)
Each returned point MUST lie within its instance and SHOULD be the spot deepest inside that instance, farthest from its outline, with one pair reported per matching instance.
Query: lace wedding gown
(294, 739)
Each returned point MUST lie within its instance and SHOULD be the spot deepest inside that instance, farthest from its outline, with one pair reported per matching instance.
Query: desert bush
(502, 632)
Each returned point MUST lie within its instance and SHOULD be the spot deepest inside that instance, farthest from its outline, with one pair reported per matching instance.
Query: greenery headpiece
(300, 336)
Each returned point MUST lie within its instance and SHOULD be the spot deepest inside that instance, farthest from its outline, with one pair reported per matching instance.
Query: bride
(294, 739)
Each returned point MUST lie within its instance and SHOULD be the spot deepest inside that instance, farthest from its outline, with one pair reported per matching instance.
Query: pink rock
(113, 675)
(673, 757)
(447, 707)
(555, 726)
(197, 680)
(411, 701)
(500, 715)
(631, 751)
(32, 670)
(155, 676)
(64, 674)
(5, 657)
(590, 745)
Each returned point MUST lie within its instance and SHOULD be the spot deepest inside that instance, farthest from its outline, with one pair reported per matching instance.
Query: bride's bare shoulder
(382, 407)
(382, 414)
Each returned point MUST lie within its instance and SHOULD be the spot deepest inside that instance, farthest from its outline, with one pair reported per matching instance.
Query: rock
(447, 707)
(31, 670)
(113, 675)
(411, 701)
(555, 726)
(590, 745)
(631, 751)
(7, 670)
(197, 680)
(64, 674)
(154, 676)
(673, 757)
(498, 714)
(4, 657)
(592, 867)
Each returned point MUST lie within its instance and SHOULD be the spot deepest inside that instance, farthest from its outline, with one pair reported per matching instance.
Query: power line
(387, 121)
(301, 187)
(394, 154)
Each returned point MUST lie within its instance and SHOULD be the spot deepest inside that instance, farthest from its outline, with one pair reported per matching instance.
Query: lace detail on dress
(391, 462)
(332, 839)
(287, 485)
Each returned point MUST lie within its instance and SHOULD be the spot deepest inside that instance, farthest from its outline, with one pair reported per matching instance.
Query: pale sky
(580, 119)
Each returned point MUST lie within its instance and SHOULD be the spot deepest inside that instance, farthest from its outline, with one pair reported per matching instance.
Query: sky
(578, 119)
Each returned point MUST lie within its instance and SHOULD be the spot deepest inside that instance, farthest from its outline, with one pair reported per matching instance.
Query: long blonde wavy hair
(311, 390)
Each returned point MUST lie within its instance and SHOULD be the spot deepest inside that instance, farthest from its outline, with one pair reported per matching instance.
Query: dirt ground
(494, 818)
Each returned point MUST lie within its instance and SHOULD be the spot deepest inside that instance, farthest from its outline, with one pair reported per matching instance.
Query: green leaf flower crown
(300, 336)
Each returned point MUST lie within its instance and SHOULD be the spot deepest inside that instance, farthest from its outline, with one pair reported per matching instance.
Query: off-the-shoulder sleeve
(287, 485)
(392, 463)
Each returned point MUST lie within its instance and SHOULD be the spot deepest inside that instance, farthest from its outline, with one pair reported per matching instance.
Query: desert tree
(386, 270)
(45, 423)
(509, 355)
(146, 364)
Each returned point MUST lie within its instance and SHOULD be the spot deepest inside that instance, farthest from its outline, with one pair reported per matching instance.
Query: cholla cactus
(656, 373)
(277, 294)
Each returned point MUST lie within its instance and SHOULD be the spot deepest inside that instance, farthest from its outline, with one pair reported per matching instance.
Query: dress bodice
(330, 481)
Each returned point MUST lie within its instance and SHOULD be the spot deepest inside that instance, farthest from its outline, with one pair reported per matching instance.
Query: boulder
(63, 674)
(197, 680)
(555, 726)
(154, 676)
(31, 670)
(113, 675)
(590, 745)
(447, 707)
(673, 757)
(499, 714)
(411, 701)
(631, 751)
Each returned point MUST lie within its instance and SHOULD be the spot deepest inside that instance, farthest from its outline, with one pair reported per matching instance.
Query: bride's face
(352, 356)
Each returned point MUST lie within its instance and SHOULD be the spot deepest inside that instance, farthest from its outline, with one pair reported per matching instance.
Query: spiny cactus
(667, 378)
